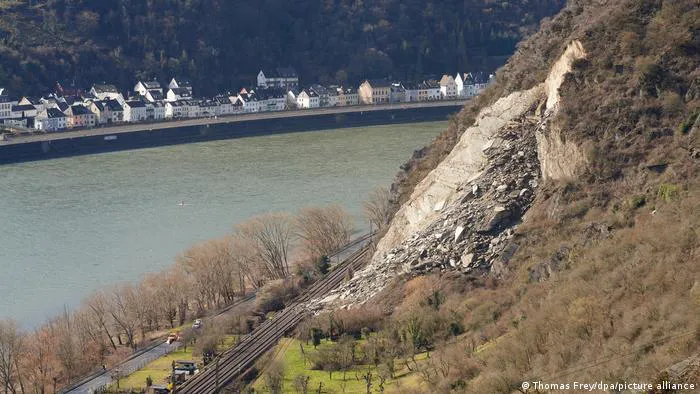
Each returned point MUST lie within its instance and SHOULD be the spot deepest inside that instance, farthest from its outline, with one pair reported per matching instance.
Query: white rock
(467, 259)
(499, 208)
(475, 189)
(502, 188)
(522, 192)
(458, 233)
(439, 206)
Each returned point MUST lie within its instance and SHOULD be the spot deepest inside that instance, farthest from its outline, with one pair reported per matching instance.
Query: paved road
(158, 350)
(126, 367)
(226, 119)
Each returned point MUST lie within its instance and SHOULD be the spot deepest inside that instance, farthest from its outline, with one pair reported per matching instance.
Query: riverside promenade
(41, 146)
(142, 126)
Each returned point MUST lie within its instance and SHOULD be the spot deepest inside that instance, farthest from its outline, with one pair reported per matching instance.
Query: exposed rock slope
(463, 214)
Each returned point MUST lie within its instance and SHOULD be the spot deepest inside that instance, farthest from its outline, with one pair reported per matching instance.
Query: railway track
(238, 359)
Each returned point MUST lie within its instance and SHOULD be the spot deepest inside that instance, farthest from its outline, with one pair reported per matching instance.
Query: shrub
(274, 295)
(353, 321)
(668, 192)
(688, 122)
(323, 265)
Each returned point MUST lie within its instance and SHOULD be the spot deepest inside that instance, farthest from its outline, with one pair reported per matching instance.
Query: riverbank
(125, 137)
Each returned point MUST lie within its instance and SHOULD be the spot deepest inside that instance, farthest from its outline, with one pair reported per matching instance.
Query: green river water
(69, 226)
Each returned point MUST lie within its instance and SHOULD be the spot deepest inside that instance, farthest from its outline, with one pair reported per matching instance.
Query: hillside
(551, 233)
(222, 44)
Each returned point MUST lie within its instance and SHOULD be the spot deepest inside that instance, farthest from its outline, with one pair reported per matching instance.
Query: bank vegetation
(274, 254)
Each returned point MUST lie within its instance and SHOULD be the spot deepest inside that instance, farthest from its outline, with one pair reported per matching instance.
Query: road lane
(127, 128)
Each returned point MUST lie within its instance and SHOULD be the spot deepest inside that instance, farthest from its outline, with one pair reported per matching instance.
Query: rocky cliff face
(462, 216)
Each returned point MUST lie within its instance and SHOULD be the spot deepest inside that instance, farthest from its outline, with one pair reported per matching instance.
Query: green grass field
(289, 354)
(160, 369)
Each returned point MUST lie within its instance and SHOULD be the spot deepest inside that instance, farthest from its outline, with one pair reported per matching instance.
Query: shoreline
(138, 136)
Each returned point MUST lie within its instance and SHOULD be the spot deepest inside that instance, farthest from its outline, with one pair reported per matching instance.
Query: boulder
(458, 233)
(494, 219)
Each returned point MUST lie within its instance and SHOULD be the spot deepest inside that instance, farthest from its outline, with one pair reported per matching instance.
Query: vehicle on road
(172, 337)
(197, 324)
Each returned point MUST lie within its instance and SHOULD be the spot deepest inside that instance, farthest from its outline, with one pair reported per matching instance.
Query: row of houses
(276, 90)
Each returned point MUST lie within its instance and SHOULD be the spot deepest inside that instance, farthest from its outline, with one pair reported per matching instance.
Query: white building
(178, 83)
(459, 81)
(281, 77)
(105, 91)
(143, 87)
(135, 111)
(397, 93)
(225, 105)
(271, 99)
(249, 102)
(191, 108)
(101, 111)
(308, 99)
(208, 108)
(174, 110)
(351, 96)
(432, 90)
(116, 111)
(412, 91)
(51, 119)
(158, 110)
(448, 87)
(177, 94)
(6, 105)
(333, 96)
(291, 98)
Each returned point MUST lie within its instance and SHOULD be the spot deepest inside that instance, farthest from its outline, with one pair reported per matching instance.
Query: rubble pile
(473, 232)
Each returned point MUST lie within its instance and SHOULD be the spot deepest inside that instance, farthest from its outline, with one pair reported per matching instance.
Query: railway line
(233, 363)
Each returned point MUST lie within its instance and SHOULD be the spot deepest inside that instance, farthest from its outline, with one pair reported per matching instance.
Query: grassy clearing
(160, 369)
(288, 353)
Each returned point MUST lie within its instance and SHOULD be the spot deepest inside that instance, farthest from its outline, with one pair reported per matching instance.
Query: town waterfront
(73, 225)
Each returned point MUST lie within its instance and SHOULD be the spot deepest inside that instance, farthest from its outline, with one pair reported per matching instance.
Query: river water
(69, 226)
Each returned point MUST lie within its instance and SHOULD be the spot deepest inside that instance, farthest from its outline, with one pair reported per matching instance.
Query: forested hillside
(222, 44)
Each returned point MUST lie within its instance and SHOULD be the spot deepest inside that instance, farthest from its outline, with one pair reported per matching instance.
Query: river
(70, 226)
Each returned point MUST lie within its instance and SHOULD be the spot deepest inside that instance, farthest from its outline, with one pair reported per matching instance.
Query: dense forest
(220, 44)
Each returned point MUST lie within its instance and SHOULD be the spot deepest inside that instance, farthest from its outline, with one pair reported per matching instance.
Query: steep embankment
(464, 212)
(551, 233)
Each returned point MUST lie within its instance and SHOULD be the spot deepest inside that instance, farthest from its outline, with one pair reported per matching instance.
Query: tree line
(113, 322)
(222, 44)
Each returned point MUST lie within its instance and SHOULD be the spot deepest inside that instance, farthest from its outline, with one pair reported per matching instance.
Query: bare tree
(378, 208)
(40, 348)
(248, 262)
(274, 377)
(323, 230)
(167, 288)
(98, 305)
(270, 237)
(123, 310)
(11, 348)
(66, 352)
(197, 264)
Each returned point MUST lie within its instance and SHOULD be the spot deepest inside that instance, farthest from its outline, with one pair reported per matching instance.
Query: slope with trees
(222, 44)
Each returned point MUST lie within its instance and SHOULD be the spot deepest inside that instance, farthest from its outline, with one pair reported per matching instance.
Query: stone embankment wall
(463, 215)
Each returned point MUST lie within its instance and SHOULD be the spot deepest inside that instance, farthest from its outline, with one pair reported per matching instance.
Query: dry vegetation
(605, 282)
(113, 322)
